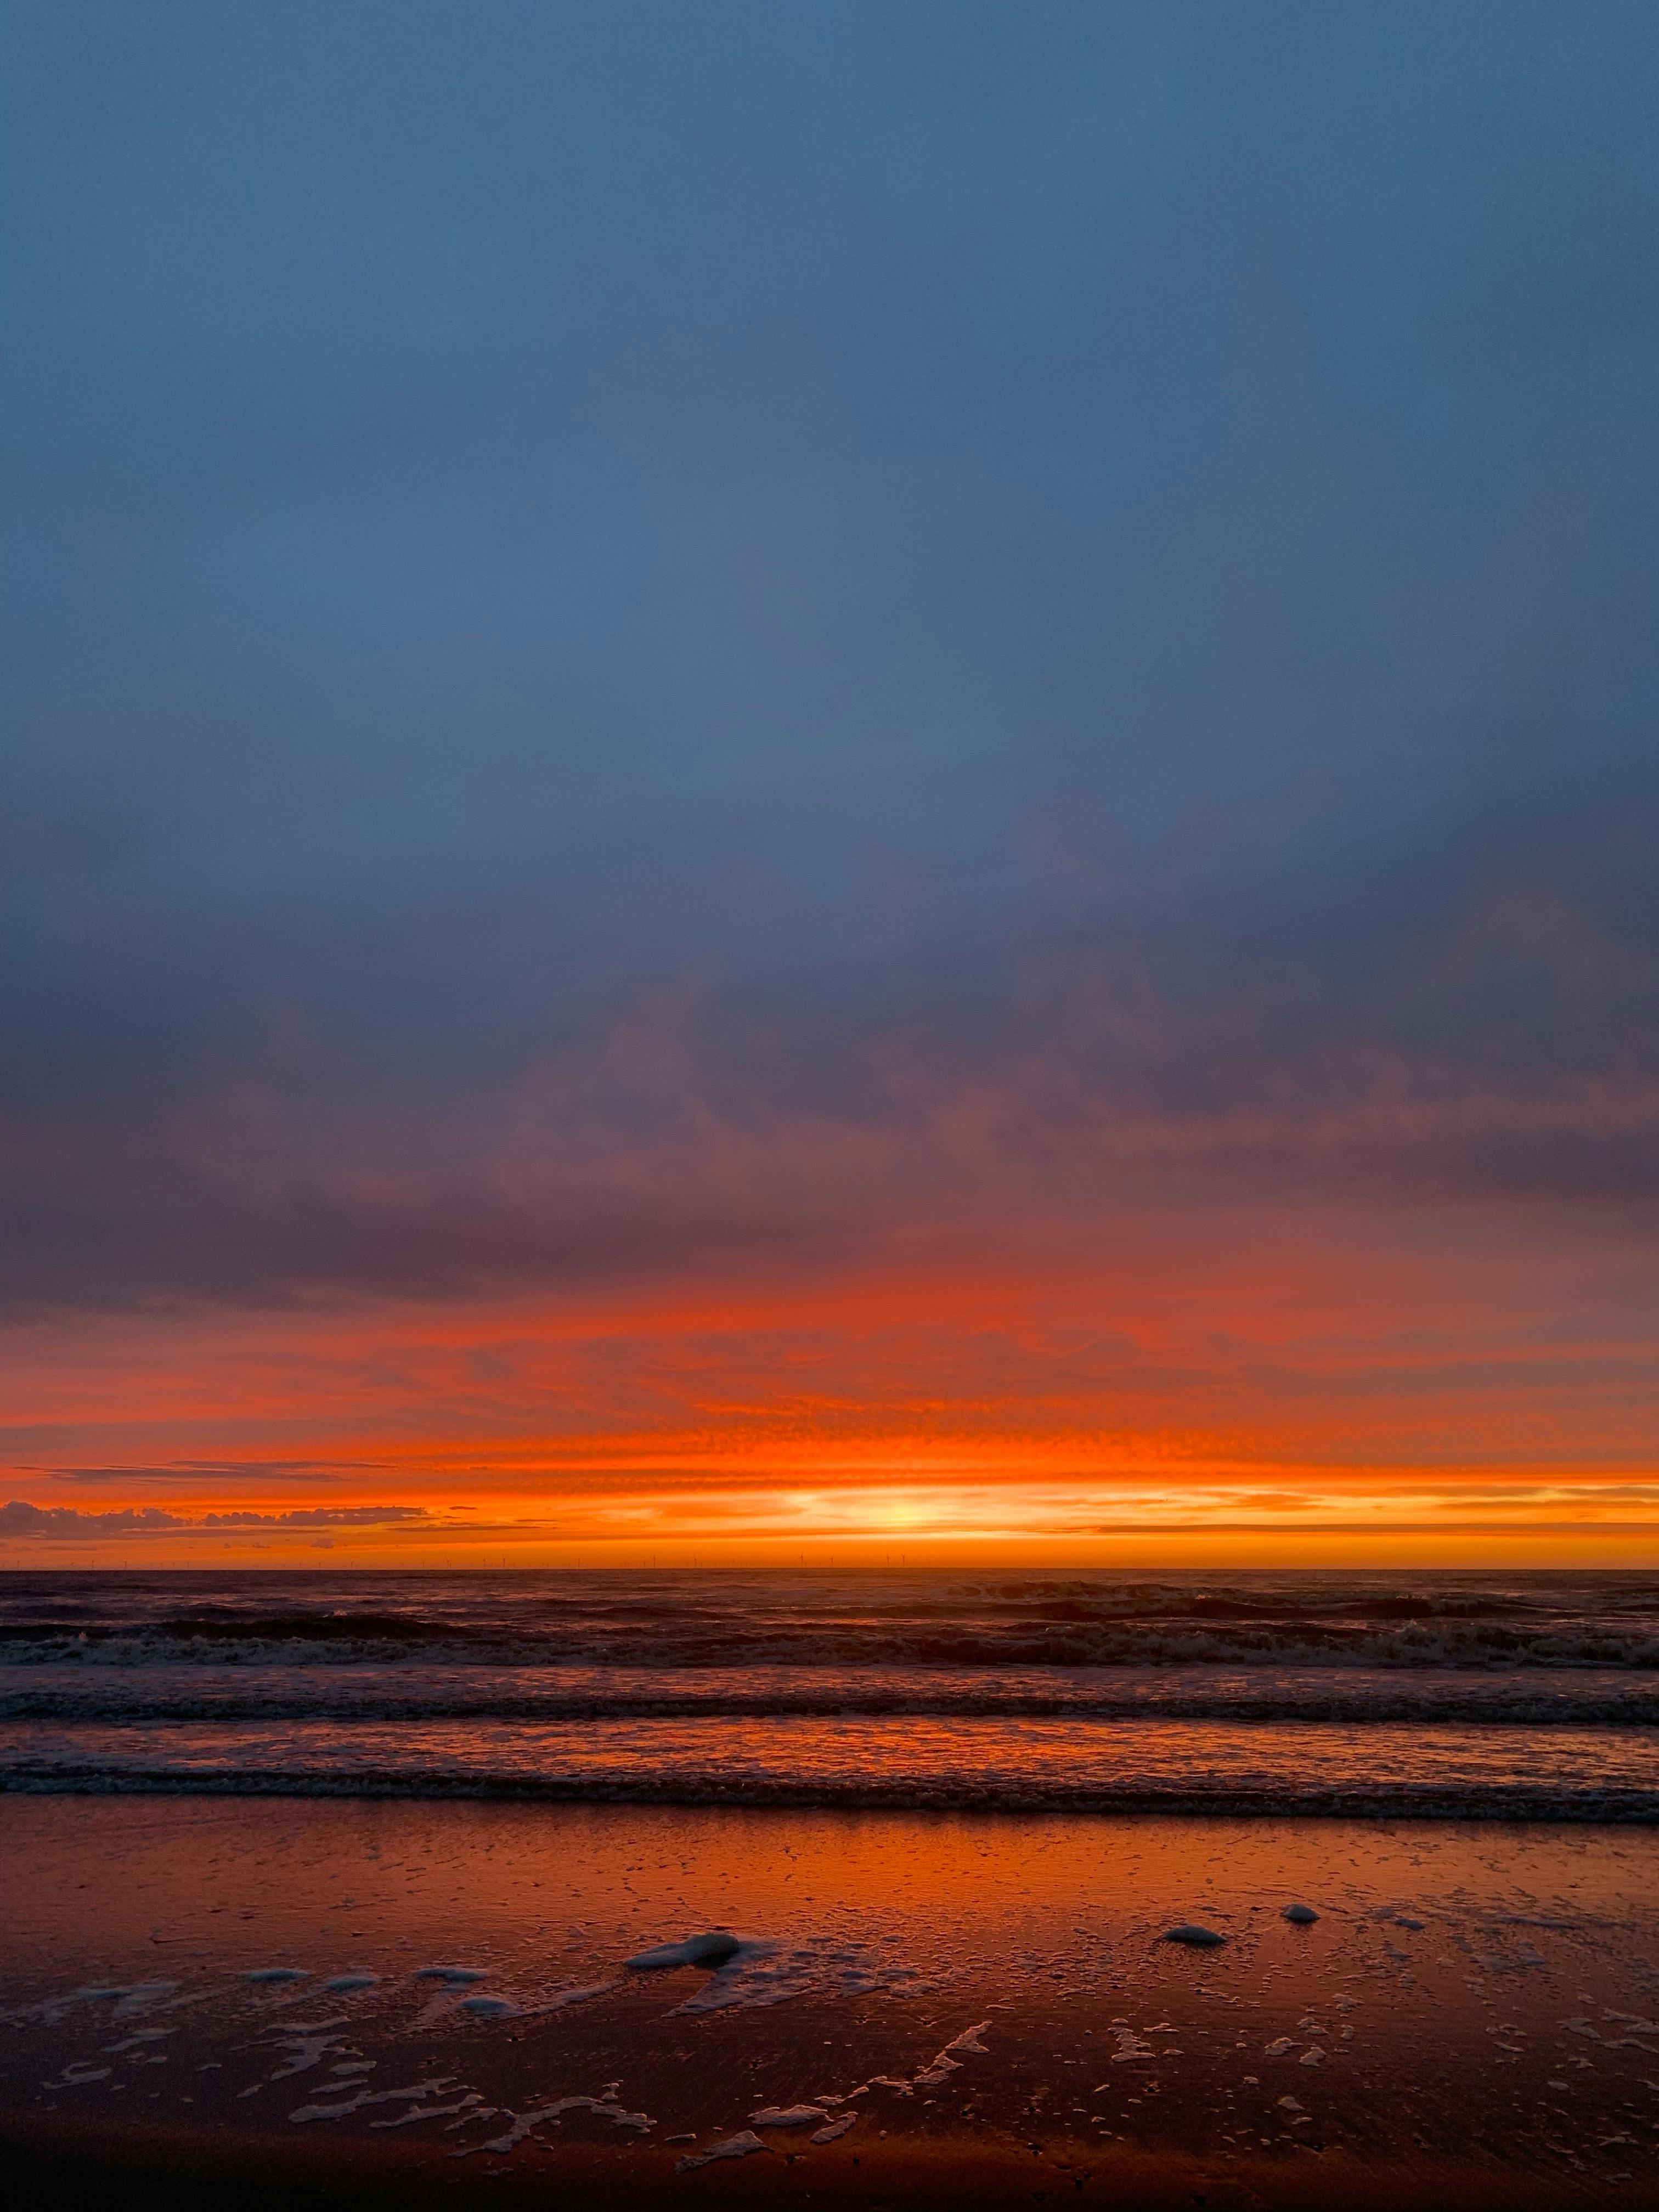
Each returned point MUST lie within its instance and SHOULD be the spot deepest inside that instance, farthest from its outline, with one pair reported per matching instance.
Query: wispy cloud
(203, 1474)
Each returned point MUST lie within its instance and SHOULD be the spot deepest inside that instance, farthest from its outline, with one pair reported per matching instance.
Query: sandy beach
(353, 2002)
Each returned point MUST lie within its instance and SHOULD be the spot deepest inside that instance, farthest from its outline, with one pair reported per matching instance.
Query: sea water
(1492, 1694)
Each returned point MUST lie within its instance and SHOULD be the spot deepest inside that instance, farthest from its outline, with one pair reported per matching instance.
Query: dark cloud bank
(19, 1519)
(682, 642)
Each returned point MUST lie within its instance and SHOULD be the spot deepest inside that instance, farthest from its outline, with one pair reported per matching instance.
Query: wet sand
(925, 2009)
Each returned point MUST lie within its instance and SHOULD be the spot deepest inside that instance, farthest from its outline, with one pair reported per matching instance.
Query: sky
(780, 778)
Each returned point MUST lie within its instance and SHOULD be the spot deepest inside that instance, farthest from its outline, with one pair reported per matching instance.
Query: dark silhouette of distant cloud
(18, 1518)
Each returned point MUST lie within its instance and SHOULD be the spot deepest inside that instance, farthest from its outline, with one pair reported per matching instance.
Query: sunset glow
(803, 808)
(1435, 1407)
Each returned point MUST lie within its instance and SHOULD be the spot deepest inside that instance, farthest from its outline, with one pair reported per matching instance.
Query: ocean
(1446, 1695)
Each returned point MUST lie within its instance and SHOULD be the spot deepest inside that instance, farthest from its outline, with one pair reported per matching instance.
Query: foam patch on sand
(275, 1974)
(130, 1999)
(712, 1949)
(946, 2064)
(576, 1993)
(759, 1973)
(137, 2040)
(737, 2146)
(523, 2124)
(787, 2116)
(304, 2052)
(470, 2106)
(498, 2005)
(415, 2093)
(448, 1999)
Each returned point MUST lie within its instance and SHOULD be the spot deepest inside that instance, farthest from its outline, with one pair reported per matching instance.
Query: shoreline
(1503, 1806)
(323, 2001)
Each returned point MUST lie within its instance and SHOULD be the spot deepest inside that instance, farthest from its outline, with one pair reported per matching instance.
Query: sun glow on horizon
(1453, 1409)
(1054, 1524)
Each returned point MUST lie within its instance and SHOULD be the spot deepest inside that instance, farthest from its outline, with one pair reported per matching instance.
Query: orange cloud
(1281, 1375)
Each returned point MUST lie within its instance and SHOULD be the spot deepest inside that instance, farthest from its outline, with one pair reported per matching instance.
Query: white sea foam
(304, 2052)
(416, 2112)
(415, 2093)
(713, 1949)
(1497, 1695)
(737, 2146)
(1430, 1770)
(761, 1973)
(947, 2062)
(129, 1999)
(576, 1993)
(523, 2124)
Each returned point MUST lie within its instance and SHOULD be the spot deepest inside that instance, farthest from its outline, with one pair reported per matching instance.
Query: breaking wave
(676, 1621)
(1485, 1696)
(1300, 1768)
